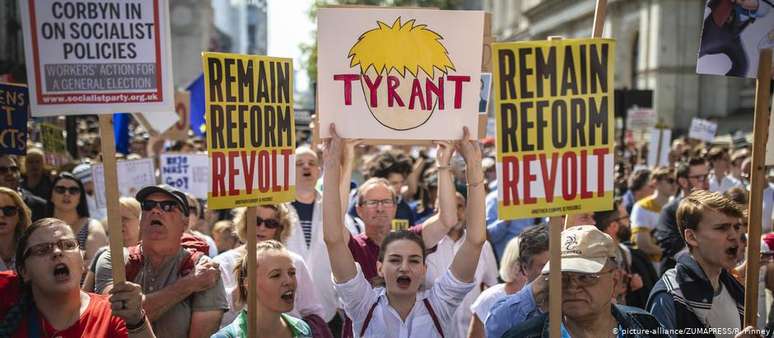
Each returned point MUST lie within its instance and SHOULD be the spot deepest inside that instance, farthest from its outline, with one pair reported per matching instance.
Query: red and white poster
(97, 57)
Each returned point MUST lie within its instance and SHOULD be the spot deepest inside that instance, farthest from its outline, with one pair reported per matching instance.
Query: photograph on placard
(733, 34)
(388, 73)
(555, 127)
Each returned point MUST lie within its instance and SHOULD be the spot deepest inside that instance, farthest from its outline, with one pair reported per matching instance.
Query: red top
(96, 321)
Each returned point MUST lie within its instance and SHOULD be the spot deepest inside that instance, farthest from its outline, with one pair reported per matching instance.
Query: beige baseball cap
(585, 249)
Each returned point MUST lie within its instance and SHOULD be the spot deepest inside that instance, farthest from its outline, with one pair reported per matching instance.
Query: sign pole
(107, 141)
(758, 179)
(252, 299)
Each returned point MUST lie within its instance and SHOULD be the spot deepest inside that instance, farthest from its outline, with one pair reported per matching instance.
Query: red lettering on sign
(218, 165)
(248, 167)
(528, 179)
(549, 177)
(569, 175)
(232, 173)
(510, 180)
(600, 154)
(287, 153)
(372, 86)
(347, 78)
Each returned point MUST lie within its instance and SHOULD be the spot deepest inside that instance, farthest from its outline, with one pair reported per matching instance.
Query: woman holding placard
(400, 308)
(14, 218)
(68, 203)
(273, 223)
(275, 290)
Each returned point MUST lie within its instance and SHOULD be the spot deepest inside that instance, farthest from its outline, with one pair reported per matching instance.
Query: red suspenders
(429, 308)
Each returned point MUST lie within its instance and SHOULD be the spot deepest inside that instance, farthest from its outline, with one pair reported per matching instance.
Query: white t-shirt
(723, 313)
(726, 183)
(306, 301)
(486, 299)
(439, 262)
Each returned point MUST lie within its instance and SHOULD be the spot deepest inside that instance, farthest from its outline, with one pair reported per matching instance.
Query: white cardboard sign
(659, 156)
(186, 172)
(703, 130)
(133, 175)
(388, 73)
(97, 57)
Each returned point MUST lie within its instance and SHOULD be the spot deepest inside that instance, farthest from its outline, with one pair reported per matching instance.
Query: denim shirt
(511, 311)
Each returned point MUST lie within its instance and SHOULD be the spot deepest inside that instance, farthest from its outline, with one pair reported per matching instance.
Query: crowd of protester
(382, 241)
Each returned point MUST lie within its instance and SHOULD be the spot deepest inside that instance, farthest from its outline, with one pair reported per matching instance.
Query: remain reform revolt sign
(554, 102)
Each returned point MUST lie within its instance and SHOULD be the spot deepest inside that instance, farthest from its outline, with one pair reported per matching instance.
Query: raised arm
(437, 226)
(466, 260)
(335, 233)
(347, 159)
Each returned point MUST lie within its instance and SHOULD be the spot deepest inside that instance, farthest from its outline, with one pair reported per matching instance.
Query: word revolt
(554, 115)
(250, 126)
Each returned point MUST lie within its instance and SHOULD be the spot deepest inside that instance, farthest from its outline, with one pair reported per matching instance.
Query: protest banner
(555, 137)
(660, 141)
(97, 57)
(54, 144)
(133, 175)
(14, 102)
(757, 183)
(703, 130)
(374, 83)
(186, 172)
(638, 118)
(733, 34)
(250, 129)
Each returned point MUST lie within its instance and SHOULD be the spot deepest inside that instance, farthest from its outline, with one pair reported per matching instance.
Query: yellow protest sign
(555, 130)
(250, 129)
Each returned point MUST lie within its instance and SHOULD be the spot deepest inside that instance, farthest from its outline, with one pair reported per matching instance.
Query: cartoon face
(403, 86)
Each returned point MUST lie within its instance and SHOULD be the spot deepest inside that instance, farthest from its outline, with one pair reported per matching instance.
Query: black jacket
(36, 204)
(628, 318)
(667, 235)
(684, 289)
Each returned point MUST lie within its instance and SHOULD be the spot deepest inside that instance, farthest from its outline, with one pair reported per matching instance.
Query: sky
(289, 26)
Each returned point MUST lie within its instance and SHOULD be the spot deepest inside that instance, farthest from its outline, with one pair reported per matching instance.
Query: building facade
(657, 43)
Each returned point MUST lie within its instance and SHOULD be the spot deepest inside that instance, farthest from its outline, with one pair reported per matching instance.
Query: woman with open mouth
(14, 218)
(68, 203)
(275, 291)
(43, 298)
(400, 309)
(273, 223)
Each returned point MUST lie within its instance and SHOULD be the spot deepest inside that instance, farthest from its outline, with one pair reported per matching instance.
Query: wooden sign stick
(758, 180)
(555, 235)
(252, 261)
(108, 143)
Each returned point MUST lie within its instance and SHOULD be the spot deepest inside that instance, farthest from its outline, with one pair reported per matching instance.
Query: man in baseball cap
(590, 277)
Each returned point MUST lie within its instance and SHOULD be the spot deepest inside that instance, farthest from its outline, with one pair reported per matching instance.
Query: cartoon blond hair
(402, 47)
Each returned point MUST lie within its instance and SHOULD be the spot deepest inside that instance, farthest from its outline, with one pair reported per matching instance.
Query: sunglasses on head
(5, 170)
(166, 206)
(9, 211)
(269, 222)
(71, 190)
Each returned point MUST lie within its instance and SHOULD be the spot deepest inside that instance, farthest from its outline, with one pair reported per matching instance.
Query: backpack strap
(368, 318)
(189, 263)
(435, 318)
(134, 264)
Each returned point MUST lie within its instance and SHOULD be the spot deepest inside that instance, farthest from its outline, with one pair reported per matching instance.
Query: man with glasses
(179, 303)
(10, 177)
(590, 279)
(644, 215)
(699, 292)
(690, 175)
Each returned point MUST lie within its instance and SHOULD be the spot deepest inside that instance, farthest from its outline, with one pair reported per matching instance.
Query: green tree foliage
(310, 50)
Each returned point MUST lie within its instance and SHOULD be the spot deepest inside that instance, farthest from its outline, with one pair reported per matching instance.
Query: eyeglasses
(375, 203)
(581, 279)
(13, 169)
(43, 249)
(700, 178)
(166, 206)
(269, 223)
(9, 211)
(71, 190)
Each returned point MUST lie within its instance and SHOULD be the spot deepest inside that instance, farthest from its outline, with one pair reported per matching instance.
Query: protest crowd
(246, 228)
(417, 247)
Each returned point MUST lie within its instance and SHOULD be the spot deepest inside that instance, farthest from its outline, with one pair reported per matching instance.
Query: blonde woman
(273, 223)
(275, 292)
(14, 218)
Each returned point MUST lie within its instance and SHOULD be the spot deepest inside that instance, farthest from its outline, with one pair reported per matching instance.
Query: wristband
(138, 326)
(476, 184)
(443, 167)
